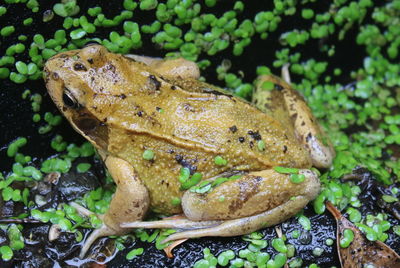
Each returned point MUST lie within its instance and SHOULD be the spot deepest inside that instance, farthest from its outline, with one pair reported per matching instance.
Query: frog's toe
(81, 210)
(104, 230)
(180, 224)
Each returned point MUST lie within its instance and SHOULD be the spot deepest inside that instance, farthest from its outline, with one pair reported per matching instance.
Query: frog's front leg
(129, 203)
(170, 68)
(283, 99)
(241, 206)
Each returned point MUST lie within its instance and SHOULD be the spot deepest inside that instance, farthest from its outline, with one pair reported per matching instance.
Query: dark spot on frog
(251, 144)
(278, 87)
(308, 137)
(158, 109)
(186, 163)
(90, 60)
(233, 129)
(178, 158)
(294, 117)
(255, 135)
(267, 106)
(303, 123)
(215, 92)
(152, 83)
(241, 139)
(122, 96)
(173, 87)
(284, 149)
(55, 76)
(188, 107)
(140, 113)
(247, 189)
(79, 67)
(110, 67)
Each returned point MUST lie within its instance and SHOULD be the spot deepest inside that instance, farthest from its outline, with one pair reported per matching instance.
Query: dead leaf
(361, 251)
(168, 250)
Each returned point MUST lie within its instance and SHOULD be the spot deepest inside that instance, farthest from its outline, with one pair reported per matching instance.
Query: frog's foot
(81, 209)
(246, 225)
(130, 201)
(176, 222)
(104, 230)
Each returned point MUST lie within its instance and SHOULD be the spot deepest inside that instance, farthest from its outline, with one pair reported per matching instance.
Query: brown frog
(128, 105)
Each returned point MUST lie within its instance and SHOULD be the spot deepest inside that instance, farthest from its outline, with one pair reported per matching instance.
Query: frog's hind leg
(130, 201)
(240, 206)
(283, 99)
(246, 225)
(170, 68)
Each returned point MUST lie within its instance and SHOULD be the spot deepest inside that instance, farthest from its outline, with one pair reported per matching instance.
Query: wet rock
(305, 237)
(73, 184)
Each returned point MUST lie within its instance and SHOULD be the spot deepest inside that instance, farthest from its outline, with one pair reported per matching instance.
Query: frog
(157, 126)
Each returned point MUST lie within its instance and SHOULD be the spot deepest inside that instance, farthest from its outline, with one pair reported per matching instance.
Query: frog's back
(127, 108)
(209, 121)
(189, 128)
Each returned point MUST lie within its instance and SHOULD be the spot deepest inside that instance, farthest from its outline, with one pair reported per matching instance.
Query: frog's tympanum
(126, 105)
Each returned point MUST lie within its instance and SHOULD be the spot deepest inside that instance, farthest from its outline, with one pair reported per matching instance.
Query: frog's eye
(69, 100)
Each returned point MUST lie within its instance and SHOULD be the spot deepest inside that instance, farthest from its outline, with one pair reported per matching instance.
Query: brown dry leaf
(168, 250)
(361, 251)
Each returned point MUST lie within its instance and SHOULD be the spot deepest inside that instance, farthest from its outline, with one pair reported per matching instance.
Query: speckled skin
(124, 107)
(289, 107)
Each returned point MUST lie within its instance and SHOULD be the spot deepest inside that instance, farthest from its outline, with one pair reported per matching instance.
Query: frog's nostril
(79, 67)
(55, 76)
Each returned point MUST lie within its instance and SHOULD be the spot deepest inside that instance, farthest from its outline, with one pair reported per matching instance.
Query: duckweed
(219, 161)
(134, 252)
(148, 155)
(347, 238)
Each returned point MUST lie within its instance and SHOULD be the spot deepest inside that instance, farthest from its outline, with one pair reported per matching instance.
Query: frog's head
(72, 82)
